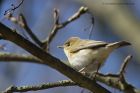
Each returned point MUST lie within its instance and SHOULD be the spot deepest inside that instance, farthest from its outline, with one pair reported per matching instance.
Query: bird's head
(70, 44)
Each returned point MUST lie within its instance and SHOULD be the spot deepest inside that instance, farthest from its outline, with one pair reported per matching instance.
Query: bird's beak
(60, 46)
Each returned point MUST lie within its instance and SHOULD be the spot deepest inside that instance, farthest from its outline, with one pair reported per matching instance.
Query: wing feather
(90, 45)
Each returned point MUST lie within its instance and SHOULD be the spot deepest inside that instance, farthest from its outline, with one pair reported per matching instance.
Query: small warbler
(87, 56)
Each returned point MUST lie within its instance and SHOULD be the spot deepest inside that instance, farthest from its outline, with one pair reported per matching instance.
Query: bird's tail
(118, 44)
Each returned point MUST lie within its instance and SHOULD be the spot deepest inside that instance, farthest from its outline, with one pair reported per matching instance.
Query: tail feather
(119, 44)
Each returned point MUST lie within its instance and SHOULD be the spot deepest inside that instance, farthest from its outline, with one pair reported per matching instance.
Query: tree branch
(127, 59)
(51, 61)
(58, 25)
(19, 57)
(117, 80)
(21, 21)
(29, 31)
(112, 80)
(62, 83)
(13, 8)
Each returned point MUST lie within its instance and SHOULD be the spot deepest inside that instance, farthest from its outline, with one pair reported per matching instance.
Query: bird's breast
(88, 57)
(81, 58)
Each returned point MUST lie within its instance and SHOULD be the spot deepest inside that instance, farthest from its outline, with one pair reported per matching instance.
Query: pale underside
(89, 59)
(88, 55)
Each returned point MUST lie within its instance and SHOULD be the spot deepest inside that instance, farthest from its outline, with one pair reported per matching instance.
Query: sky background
(39, 15)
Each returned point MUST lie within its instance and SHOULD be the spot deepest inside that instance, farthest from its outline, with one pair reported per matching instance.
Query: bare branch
(11, 57)
(21, 21)
(24, 25)
(62, 83)
(56, 16)
(19, 57)
(117, 80)
(11, 10)
(113, 81)
(58, 25)
(127, 59)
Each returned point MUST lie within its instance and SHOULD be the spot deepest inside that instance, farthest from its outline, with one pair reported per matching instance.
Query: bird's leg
(95, 72)
(82, 71)
(98, 68)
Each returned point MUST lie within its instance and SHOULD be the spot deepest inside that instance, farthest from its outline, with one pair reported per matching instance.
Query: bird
(88, 56)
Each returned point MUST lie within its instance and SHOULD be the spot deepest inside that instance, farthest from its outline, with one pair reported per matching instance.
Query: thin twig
(24, 25)
(113, 81)
(62, 83)
(127, 59)
(123, 67)
(58, 25)
(11, 10)
(117, 80)
(21, 21)
(91, 28)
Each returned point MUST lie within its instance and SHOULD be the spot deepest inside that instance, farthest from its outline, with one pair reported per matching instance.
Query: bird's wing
(89, 45)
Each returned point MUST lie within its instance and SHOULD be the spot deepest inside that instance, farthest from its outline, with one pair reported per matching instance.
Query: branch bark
(62, 83)
(9, 57)
(21, 21)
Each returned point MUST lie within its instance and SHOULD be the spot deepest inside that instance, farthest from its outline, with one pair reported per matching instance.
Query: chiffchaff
(88, 56)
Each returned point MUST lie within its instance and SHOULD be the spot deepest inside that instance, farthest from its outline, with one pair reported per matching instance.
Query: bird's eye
(67, 44)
